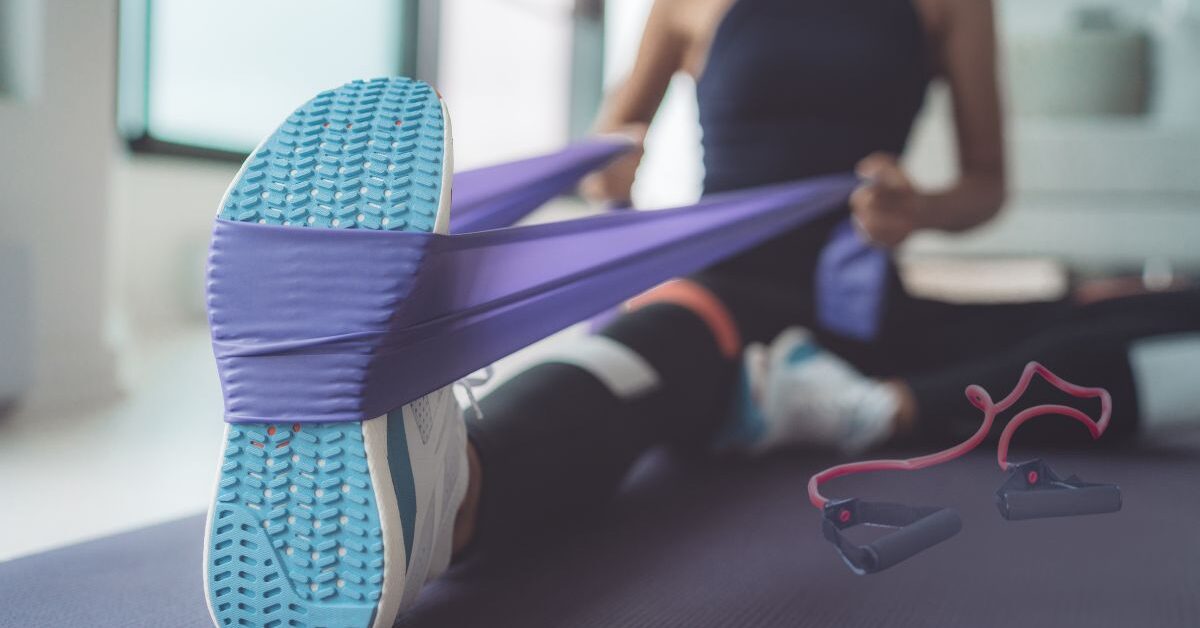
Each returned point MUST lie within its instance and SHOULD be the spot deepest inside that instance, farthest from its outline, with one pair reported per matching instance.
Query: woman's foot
(796, 393)
(341, 523)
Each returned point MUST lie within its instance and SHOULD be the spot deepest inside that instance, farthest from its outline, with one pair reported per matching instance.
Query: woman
(789, 89)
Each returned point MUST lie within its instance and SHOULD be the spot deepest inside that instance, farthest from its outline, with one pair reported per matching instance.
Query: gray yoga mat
(732, 544)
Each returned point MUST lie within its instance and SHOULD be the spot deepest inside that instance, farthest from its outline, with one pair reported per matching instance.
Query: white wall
(116, 242)
(504, 70)
(57, 160)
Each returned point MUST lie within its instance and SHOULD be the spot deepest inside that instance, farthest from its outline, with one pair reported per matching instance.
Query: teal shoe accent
(746, 425)
(402, 477)
(295, 536)
(802, 352)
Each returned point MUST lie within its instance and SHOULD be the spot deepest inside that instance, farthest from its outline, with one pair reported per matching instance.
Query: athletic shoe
(340, 524)
(796, 393)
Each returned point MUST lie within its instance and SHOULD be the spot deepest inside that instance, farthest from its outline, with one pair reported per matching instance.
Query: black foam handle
(1091, 499)
(1034, 491)
(914, 538)
(916, 530)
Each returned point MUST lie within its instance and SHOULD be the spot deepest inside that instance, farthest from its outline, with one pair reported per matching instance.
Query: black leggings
(556, 441)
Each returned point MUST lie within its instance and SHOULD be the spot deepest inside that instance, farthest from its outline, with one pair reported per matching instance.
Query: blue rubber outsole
(295, 537)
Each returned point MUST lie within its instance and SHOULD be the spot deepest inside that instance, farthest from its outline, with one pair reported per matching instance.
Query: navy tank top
(799, 88)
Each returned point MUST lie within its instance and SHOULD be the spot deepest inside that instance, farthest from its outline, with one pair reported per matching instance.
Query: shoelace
(469, 383)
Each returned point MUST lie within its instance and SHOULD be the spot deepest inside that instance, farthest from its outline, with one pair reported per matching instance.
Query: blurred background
(123, 121)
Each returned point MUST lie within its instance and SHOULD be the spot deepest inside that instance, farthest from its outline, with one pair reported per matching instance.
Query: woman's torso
(799, 88)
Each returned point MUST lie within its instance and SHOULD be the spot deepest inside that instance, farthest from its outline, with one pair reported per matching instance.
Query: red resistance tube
(980, 399)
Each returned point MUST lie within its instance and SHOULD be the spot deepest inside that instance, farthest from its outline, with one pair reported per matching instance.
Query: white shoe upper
(809, 396)
(435, 439)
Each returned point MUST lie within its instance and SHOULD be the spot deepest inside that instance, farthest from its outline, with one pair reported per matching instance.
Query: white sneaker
(341, 524)
(796, 393)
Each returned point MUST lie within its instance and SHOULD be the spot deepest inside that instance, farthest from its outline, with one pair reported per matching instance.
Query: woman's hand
(614, 184)
(885, 205)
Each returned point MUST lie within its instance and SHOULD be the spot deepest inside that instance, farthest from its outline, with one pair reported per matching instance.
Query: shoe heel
(294, 535)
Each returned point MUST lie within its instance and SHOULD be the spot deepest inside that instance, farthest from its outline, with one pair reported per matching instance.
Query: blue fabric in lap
(851, 284)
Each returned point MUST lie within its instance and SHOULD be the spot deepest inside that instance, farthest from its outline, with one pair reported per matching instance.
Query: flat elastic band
(301, 330)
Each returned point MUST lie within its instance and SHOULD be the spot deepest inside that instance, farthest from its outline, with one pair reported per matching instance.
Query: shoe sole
(305, 526)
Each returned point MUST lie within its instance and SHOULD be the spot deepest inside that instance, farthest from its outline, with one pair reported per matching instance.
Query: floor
(85, 473)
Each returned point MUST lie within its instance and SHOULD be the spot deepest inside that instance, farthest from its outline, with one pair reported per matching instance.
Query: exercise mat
(727, 545)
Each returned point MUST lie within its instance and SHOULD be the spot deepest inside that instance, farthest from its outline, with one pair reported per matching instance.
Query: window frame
(587, 66)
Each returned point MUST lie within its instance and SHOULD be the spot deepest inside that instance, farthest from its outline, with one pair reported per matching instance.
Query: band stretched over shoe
(326, 326)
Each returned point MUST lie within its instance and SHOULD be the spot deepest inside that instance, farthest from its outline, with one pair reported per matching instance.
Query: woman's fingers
(615, 182)
(612, 184)
(884, 207)
(883, 171)
(636, 132)
(882, 231)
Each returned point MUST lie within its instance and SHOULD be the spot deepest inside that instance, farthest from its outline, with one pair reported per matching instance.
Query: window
(215, 77)
(20, 48)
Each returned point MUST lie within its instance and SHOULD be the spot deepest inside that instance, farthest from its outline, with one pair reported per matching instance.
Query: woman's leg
(1106, 344)
(559, 437)
(910, 384)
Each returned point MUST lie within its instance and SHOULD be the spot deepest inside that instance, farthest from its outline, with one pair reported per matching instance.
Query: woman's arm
(631, 106)
(969, 58)
(892, 208)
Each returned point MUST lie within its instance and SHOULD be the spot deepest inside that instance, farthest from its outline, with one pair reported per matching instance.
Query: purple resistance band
(330, 325)
(498, 196)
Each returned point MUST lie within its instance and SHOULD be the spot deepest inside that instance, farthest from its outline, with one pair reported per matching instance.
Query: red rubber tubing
(980, 399)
